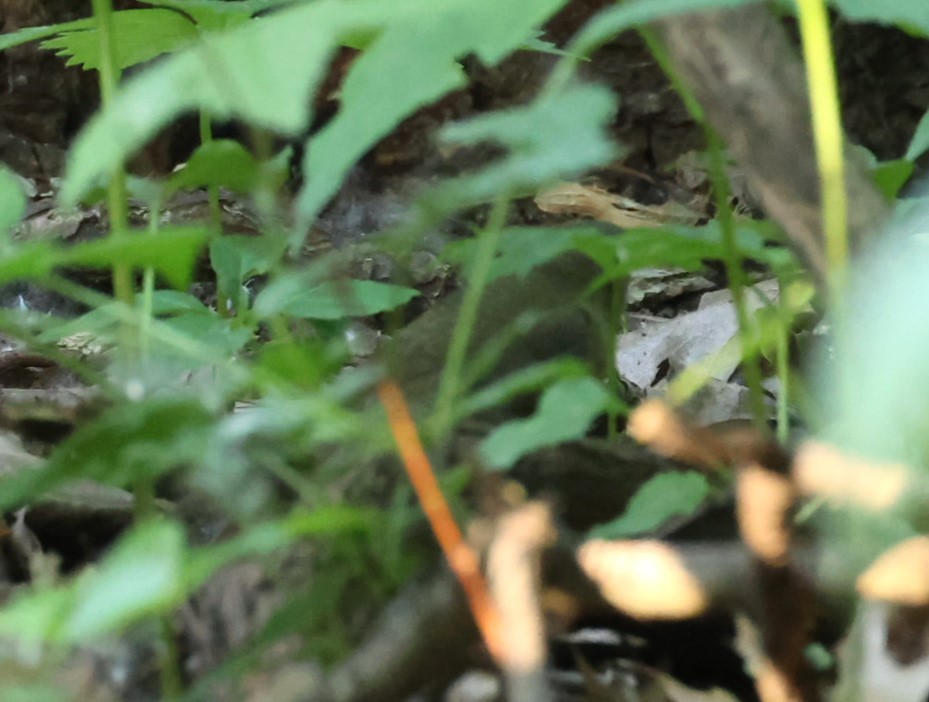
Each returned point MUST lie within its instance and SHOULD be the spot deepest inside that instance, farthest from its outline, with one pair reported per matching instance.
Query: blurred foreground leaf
(661, 498)
(565, 412)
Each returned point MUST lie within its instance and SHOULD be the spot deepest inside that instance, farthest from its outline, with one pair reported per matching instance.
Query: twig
(461, 557)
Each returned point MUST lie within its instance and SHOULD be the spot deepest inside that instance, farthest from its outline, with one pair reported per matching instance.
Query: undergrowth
(175, 366)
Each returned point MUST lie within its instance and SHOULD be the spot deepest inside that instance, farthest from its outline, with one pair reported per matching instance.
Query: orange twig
(461, 557)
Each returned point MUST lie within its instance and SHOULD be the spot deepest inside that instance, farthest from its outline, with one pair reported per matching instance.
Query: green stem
(487, 243)
(109, 74)
(733, 260)
(783, 375)
(148, 286)
(813, 20)
(616, 325)
(206, 137)
(171, 685)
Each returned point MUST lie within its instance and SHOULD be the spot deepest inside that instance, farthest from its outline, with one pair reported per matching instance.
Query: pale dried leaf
(596, 203)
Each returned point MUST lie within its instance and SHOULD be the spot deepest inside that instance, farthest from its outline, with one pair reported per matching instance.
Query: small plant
(244, 421)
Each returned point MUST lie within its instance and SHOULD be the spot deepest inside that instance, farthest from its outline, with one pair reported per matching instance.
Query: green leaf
(264, 72)
(173, 301)
(681, 246)
(171, 252)
(523, 248)
(618, 18)
(143, 575)
(28, 34)
(266, 538)
(12, 201)
(665, 496)
(911, 13)
(212, 15)
(335, 300)
(126, 442)
(225, 337)
(530, 379)
(220, 163)
(38, 615)
(565, 413)
(151, 571)
(139, 36)
(236, 258)
(919, 144)
(891, 176)
(33, 260)
(540, 150)
(422, 41)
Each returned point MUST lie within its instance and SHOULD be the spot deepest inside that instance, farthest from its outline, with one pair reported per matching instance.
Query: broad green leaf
(537, 43)
(876, 380)
(12, 201)
(302, 363)
(235, 258)
(423, 47)
(266, 538)
(665, 496)
(891, 176)
(554, 137)
(531, 379)
(909, 13)
(38, 615)
(228, 74)
(212, 15)
(684, 247)
(619, 18)
(29, 34)
(37, 684)
(174, 301)
(27, 262)
(139, 36)
(223, 335)
(171, 252)
(142, 576)
(264, 72)
(126, 442)
(151, 570)
(98, 322)
(337, 300)
(919, 144)
(221, 163)
(566, 411)
(523, 248)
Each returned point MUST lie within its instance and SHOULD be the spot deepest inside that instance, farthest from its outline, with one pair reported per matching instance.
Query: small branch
(461, 557)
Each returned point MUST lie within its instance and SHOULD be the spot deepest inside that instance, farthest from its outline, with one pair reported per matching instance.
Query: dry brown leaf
(596, 203)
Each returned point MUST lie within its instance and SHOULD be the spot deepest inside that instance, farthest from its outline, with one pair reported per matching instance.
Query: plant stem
(487, 243)
(109, 74)
(616, 325)
(733, 260)
(206, 137)
(827, 137)
(783, 375)
(171, 685)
